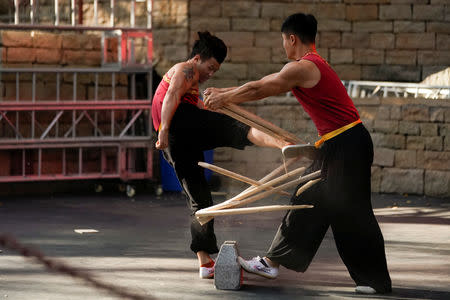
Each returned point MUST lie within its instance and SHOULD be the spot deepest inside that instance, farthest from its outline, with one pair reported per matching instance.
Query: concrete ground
(142, 245)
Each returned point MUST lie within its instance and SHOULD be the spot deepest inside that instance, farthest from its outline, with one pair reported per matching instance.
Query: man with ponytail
(342, 198)
(185, 129)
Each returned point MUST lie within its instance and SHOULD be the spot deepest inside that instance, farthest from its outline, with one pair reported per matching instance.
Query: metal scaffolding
(91, 139)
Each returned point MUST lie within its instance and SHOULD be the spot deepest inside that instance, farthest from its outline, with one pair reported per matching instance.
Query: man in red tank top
(342, 199)
(185, 130)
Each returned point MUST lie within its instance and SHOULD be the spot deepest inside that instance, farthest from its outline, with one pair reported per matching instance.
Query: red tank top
(327, 103)
(190, 97)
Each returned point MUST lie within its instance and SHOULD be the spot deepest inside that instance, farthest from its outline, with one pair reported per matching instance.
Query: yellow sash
(334, 133)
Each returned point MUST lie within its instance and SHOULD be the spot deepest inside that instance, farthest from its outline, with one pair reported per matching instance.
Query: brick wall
(387, 40)
(411, 144)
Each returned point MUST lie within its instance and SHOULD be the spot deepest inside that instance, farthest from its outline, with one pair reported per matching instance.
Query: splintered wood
(264, 187)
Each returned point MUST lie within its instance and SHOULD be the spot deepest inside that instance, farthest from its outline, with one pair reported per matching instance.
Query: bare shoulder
(188, 71)
(302, 73)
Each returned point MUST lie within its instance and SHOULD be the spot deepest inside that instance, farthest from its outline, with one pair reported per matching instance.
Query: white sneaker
(206, 272)
(363, 289)
(258, 266)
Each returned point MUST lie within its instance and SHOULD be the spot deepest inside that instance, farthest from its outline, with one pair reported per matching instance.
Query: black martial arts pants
(191, 132)
(341, 200)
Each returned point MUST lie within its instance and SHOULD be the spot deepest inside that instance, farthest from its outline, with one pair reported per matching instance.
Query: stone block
(444, 129)
(447, 143)
(17, 39)
(428, 129)
(386, 126)
(275, 24)
(237, 39)
(210, 24)
(203, 8)
(46, 40)
(372, 26)
(273, 10)
(330, 11)
(171, 36)
(415, 40)
(348, 72)
(220, 83)
(250, 54)
(428, 12)
(401, 57)
(331, 25)
(443, 41)
(48, 56)
(415, 113)
(368, 56)
(232, 71)
(250, 24)
(395, 113)
(356, 39)
(176, 53)
(394, 180)
(20, 55)
(361, 12)
(391, 73)
(395, 12)
(438, 27)
(240, 8)
(437, 183)
(330, 40)
(339, 56)
(415, 142)
(382, 40)
(72, 41)
(434, 143)
(433, 160)
(268, 39)
(383, 157)
(227, 270)
(376, 179)
(408, 128)
(278, 55)
(436, 57)
(257, 71)
(405, 159)
(391, 141)
(409, 26)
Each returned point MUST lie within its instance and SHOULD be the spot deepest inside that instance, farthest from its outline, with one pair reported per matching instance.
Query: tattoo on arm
(188, 73)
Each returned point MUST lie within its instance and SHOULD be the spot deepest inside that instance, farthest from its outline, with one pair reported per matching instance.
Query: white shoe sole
(248, 269)
(367, 290)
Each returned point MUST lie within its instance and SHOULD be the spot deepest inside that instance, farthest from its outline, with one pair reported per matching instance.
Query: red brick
(47, 40)
(17, 39)
(48, 56)
(361, 12)
(19, 55)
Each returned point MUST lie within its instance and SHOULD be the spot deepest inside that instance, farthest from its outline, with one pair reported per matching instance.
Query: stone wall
(387, 40)
(411, 143)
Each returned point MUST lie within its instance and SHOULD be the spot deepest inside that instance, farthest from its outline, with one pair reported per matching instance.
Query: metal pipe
(149, 13)
(16, 12)
(72, 12)
(111, 17)
(96, 12)
(32, 10)
(80, 12)
(132, 14)
(56, 12)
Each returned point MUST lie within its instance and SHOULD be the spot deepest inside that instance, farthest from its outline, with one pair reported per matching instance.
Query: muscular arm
(180, 83)
(303, 74)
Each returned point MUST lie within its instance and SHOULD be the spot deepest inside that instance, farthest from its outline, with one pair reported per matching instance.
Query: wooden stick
(258, 189)
(248, 115)
(264, 179)
(235, 176)
(237, 203)
(251, 210)
(251, 123)
(307, 186)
